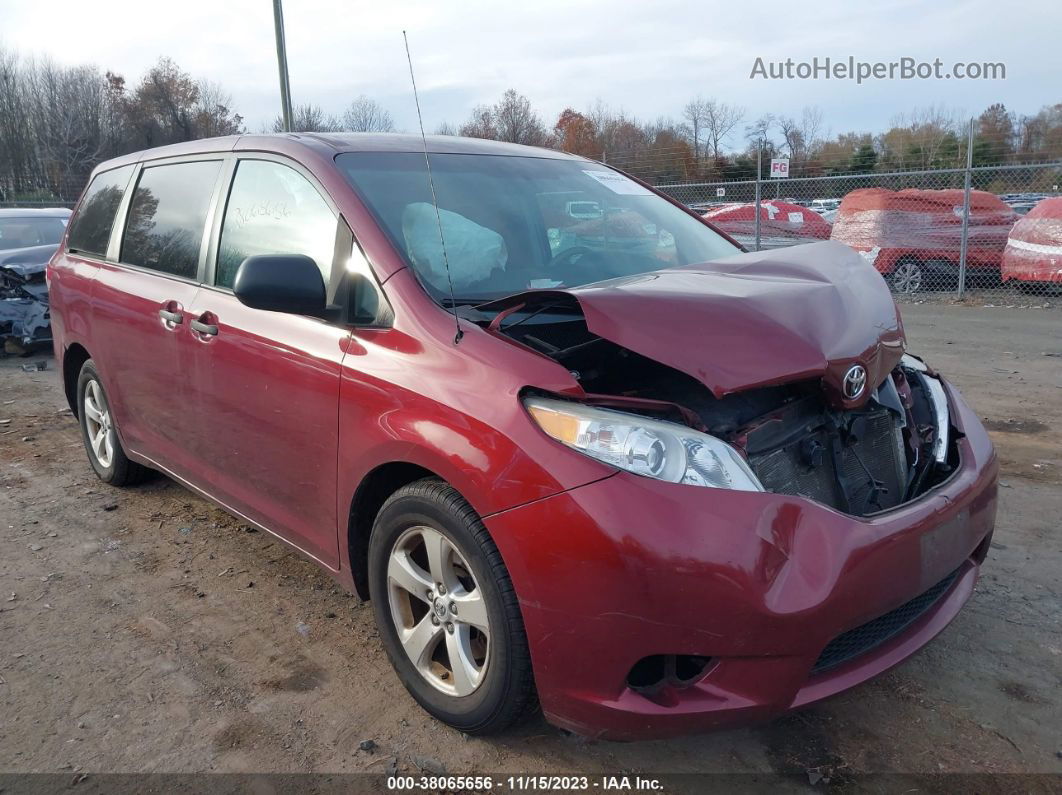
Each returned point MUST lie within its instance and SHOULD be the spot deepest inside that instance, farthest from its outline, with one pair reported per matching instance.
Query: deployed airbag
(473, 251)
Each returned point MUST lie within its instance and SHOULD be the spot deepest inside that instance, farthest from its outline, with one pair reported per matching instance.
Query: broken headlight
(647, 447)
(939, 403)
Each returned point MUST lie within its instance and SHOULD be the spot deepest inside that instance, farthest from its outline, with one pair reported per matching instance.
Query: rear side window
(167, 216)
(90, 228)
(273, 209)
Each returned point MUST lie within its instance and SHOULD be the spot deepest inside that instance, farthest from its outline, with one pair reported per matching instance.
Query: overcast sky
(646, 57)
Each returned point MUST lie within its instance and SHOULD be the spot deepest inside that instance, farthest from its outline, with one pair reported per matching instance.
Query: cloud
(647, 57)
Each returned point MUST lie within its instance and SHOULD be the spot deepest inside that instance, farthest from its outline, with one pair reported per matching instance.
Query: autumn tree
(575, 133)
(1040, 135)
(994, 136)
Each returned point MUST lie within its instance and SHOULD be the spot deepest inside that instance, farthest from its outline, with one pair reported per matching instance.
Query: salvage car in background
(914, 237)
(648, 481)
(781, 224)
(28, 239)
(1033, 256)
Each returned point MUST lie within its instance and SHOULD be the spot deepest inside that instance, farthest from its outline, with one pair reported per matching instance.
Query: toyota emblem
(855, 381)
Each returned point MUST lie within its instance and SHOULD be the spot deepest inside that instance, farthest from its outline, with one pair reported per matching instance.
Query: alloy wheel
(907, 278)
(98, 424)
(438, 611)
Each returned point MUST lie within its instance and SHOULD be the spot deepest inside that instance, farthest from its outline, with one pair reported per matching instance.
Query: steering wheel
(568, 257)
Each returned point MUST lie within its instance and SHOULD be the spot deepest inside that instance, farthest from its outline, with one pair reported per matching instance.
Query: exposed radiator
(876, 449)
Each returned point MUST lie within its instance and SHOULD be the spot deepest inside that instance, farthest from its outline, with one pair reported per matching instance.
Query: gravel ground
(144, 630)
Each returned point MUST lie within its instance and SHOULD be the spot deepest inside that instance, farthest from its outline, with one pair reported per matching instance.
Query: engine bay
(860, 461)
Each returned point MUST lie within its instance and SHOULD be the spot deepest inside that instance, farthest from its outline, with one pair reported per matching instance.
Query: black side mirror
(289, 283)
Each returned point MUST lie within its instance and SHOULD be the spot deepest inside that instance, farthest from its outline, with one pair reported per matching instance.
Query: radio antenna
(434, 199)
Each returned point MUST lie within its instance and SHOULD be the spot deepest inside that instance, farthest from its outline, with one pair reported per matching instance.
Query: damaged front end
(25, 320)
(797, 368)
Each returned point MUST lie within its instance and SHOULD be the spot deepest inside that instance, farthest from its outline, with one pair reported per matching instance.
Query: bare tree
(480, 124)
(309, 118)
(65, 109)
(510, 119)
(760, 130)
(696, 113)
(923, 138)
(212, 111)
(720, 119)
(516, 122)
(57, 122)
(16, 139)
(445, 128)
(367, 115)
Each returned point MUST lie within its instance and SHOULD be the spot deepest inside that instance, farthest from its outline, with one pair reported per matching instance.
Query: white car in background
(823, 206)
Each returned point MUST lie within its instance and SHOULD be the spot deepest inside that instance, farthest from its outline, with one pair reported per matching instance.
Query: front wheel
(447, 612)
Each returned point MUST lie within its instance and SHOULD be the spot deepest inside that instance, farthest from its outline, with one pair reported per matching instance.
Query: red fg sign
(779, 167)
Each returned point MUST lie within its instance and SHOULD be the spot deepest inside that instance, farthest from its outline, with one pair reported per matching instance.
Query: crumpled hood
(27, 261)
(755, 319)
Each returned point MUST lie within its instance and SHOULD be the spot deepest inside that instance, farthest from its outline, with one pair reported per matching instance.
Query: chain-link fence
(20, 190)
(990, 232)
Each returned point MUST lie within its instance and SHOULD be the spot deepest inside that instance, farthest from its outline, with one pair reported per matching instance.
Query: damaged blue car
(28, 238)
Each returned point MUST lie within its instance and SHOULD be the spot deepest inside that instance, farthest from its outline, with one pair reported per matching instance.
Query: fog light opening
(648, 674)
(651, 674)
(689, 668)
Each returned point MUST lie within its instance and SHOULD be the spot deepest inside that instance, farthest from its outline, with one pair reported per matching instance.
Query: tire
(105, 452)
(492, 686)
(907, 277)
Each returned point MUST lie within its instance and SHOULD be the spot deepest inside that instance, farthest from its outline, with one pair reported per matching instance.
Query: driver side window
(273, 209)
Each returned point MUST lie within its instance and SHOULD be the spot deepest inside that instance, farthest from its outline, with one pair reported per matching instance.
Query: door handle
(204, 328)
(171, 317)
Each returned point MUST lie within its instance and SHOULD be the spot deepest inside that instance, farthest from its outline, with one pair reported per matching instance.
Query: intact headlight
(651, 448)
(939, 403)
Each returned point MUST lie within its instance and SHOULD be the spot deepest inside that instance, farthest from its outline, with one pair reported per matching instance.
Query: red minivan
(579, 449)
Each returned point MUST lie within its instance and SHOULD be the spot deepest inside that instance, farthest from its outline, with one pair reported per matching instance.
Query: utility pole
(282, 65)
(759, 170)
(966, 185)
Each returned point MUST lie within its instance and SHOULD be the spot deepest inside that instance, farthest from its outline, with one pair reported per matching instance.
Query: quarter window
(273, 209)
(90, 228)
(167, 216)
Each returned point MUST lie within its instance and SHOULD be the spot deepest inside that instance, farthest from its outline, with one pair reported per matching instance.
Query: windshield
(513, 224)
(30, 230)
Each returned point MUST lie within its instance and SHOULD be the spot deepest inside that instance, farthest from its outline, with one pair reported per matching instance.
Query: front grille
(876, 452)
(856, 642)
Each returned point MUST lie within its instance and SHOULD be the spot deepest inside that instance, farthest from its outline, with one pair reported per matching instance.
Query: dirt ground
(145, 630)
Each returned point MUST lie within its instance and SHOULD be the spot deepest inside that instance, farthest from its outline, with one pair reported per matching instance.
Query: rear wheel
(447, 612)
(907, 277)
(98, 432)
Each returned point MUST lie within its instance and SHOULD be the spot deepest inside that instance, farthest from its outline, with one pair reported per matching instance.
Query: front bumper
(627, 567)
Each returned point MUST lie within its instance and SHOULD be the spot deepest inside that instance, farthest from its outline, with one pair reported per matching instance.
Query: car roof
(328, 145)
(34, 212)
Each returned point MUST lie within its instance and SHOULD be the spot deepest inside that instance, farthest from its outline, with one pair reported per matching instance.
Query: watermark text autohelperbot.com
(849, 68)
